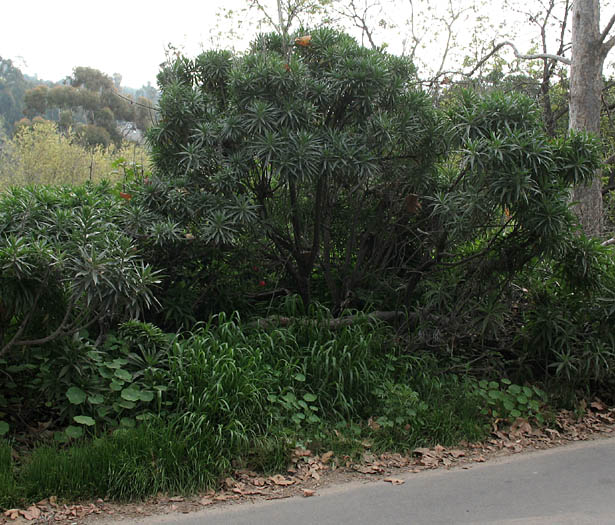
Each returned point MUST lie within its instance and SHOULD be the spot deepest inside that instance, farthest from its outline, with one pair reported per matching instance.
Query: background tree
(35, 101)
(590, 46)
(90, 101)
(13, 85)
(39, 153)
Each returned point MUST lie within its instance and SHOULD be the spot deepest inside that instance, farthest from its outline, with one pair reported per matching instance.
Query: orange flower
(303, 40)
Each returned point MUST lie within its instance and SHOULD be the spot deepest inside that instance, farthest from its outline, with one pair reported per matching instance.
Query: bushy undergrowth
(239, 394)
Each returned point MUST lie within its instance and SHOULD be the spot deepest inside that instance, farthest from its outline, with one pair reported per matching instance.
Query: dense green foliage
(66, 264)
(345, 179)
(215, 312)
(301, 146)
(229, 393)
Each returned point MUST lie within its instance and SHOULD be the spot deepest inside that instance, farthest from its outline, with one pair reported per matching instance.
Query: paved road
(569, 485)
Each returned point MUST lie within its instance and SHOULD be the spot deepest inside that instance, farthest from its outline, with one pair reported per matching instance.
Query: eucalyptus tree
(89, 100)
(12, 88)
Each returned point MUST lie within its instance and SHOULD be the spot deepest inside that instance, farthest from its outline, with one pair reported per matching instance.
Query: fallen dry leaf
(308, 492)
(373, 424)
(302, 452)
(369, 469)
(229, 483)
(278, 479)
(597, 404)
(252, 492)
(394, 481)
(206, 501)
(326, 456)
(520, 426)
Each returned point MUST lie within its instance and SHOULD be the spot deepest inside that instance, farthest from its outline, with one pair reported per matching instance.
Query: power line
(128, 99)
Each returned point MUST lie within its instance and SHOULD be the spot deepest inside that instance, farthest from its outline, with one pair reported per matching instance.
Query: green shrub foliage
(323, 171)
(66, 264)
(322, 149)
(336, 169)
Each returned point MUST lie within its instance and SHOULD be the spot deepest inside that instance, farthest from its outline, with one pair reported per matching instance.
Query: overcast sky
(50, 38)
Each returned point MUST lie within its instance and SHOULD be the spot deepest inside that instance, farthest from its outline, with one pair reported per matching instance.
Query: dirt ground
(307, 473)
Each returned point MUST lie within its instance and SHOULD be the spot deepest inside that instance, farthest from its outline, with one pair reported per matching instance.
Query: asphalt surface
(574, 484)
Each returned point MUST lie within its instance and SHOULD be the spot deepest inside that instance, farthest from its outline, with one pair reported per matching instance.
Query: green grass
(240, 396)
(9, 492)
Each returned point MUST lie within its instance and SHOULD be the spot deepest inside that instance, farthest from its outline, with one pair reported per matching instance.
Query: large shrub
(327, 145)
(501, 208)
(359, 190)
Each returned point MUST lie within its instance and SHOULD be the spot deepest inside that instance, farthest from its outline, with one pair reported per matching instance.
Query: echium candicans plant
(324, 145)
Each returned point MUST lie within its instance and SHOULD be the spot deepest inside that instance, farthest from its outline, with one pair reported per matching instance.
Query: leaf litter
(307, 472)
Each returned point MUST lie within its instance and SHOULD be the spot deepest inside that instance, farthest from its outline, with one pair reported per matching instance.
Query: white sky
(49, 38)
(128, 37)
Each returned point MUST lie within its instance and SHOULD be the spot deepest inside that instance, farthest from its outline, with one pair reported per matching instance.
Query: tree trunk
(588, 54)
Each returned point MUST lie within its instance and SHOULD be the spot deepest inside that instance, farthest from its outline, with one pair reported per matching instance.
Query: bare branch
(608, 45)
(415, 40)
(449, 30)
(536, 56)
(24, 323)
(609, 160)
(521, 56)
(605, 33)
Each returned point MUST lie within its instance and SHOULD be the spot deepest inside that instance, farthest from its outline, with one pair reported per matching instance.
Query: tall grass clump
(8, 484)
(128, 464)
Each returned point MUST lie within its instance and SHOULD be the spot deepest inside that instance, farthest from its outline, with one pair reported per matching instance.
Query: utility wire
(128, 99)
